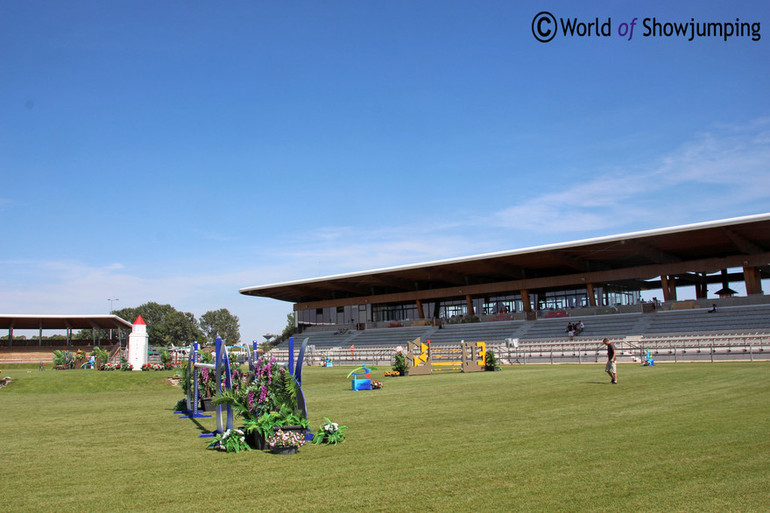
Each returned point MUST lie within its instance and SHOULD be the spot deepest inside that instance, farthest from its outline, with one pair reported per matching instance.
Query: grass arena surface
(674, 437)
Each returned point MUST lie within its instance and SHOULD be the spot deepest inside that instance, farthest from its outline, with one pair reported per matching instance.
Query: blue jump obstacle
(361, 383)
(223, 377)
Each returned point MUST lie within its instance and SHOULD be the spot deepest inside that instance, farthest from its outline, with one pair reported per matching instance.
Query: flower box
(296, 434)
(284, 450)
(206, 405)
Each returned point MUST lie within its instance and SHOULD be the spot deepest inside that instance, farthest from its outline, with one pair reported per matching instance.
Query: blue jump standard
(188, 414)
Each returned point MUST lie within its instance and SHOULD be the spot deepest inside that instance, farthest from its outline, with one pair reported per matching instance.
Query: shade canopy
(62, 322)
(629, 258)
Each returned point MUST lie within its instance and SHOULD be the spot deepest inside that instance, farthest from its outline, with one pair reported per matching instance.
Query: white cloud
(361, 248)
(718, 172)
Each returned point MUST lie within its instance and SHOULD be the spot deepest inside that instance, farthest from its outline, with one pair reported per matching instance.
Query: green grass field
(676, 437)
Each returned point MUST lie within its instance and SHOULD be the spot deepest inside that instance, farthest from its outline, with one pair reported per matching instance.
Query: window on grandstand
(502, 305)
(615, 295)
(451, 309)
(562, 299)
(382, 313)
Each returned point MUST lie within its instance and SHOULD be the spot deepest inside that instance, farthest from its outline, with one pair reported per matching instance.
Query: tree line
(168, 326)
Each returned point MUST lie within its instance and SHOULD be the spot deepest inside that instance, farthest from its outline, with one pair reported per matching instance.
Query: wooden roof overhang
(62, 322)
(630, 258)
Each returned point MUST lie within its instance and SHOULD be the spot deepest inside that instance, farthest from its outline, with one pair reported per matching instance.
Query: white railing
(663, 348)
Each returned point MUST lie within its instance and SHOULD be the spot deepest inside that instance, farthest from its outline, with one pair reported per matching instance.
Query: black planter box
(257, 441)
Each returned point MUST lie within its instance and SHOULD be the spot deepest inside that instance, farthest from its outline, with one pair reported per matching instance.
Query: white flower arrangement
(329, 433)
(232, 440)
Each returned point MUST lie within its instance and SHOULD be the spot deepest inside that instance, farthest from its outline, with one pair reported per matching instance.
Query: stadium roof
(62, 322)
(634, 257)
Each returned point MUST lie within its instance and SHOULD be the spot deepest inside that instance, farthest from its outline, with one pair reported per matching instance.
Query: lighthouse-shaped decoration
(138, 344)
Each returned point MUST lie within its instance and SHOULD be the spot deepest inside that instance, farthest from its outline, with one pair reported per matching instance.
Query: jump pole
(291, 356)
(222, 363)
(191, 412)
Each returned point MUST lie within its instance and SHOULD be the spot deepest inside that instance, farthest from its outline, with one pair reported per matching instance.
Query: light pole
(111, 310)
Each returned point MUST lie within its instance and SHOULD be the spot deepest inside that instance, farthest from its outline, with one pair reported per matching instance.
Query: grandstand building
(592, 276)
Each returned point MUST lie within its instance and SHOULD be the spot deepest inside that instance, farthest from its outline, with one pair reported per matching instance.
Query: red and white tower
(138, 344)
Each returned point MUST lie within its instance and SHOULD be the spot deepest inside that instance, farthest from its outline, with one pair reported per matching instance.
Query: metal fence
(663, 348)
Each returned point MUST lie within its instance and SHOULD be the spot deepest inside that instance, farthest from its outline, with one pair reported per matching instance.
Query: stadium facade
(593, 273)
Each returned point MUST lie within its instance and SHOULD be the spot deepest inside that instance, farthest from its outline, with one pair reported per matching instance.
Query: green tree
(101, 334)
(223, 324)
(291, 327)
(165, 324)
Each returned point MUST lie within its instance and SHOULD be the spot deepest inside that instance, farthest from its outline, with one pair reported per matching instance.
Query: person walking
(611, 367)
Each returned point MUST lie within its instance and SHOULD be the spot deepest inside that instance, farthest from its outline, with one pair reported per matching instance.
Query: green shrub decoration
(490, 361)
(400, 365)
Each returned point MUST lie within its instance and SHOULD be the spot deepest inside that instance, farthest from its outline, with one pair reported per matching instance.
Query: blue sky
(179, 151)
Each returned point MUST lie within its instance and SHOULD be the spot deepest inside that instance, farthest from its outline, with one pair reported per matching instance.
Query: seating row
(727, 319)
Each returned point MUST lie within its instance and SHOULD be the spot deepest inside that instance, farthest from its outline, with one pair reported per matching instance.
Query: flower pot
(256, 440)
(300, 430)
(206, 404)
(284, 450)
(292, 428)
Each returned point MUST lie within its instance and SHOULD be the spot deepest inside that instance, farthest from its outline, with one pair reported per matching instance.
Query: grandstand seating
(725, 319)
(23, 354)
(325, 338)
(755, 318)
(694, 334)
(598, 325)
(34, 354)
(391, 336)
(501, 330)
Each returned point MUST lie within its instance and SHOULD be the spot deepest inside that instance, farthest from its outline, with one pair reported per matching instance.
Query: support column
(469, 305)
(664, 286)
(668, 284)
(701, 288)
(725, 291)
(672, 287)
(725, 279)
(591, 295)
(753, 281)
(420, 312)
(525, 300)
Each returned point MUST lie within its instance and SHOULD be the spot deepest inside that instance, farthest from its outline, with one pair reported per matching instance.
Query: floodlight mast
(111, 310)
